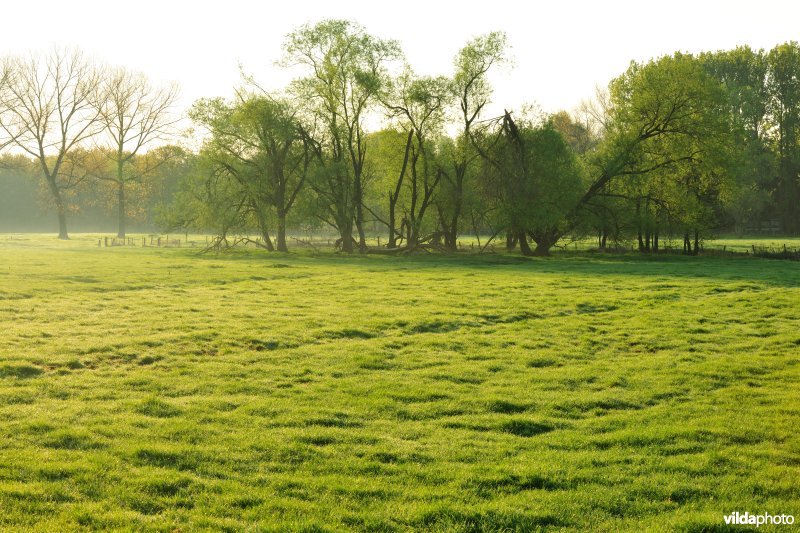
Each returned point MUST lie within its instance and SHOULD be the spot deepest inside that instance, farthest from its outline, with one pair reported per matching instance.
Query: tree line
(673, 149)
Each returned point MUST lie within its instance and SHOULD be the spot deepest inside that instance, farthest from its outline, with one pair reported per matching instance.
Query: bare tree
(134, 114)
(48, 113)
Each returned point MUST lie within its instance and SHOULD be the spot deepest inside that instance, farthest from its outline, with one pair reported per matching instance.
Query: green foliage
(533, 176)
(345, 74)
(783, 85)
(257, 160)
(665, 150)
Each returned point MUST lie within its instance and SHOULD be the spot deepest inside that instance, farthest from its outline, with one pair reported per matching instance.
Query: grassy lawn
(160, 389)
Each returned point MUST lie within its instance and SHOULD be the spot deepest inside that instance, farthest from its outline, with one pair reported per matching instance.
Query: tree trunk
(267, 242)
(262, 227)
(524, 247)
(511, 240)
(62, 224)
(346, 233)
(544, 242)
(451, 229)
(655, 241)
(282, 232)
(542, 248)
(394, 197)
(639, 225)
(451, 234)
(392, 219)
(359, 211)
(696, 242)
(362, 239)
(60, 209)
(121, 209)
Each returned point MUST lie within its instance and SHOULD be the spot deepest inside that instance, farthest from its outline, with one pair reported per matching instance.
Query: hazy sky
(561, 49)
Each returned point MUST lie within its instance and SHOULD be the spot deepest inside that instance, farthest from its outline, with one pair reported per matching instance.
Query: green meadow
(167, 390)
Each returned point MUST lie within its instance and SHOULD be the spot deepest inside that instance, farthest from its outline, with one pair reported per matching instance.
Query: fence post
(106, 239)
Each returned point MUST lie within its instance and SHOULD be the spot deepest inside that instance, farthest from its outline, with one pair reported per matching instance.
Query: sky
(561, 50)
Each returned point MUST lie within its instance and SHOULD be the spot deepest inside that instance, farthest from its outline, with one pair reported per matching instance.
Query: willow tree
(418, 106)
(256, 145)
(472, 92)
(345, 71)
(532, 177)
(664, 116)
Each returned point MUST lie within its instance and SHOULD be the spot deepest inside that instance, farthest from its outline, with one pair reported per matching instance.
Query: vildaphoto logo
(758, 520)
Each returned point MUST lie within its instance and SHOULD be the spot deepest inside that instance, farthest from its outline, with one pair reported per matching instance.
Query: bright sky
(561, 49)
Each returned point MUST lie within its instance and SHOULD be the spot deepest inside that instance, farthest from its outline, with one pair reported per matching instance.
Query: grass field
(160, 389)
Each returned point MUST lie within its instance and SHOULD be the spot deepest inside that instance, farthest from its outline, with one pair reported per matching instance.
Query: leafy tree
(534, 179)
(743, 73)
(257, 145)
(659, 116)
(418, 106)
(783, 85)
(346, 71)
(472, 91)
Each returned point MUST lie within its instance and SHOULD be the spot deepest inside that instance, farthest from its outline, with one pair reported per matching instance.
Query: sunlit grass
(146, 388)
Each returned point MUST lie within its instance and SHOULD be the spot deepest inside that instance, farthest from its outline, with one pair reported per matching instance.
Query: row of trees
(674, 148)
(76, 121)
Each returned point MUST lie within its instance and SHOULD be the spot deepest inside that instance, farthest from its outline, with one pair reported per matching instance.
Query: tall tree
(661, 115)
(257, 144)
(744, 74)
(418, 105)
(134, 114)
(48, 113)
(783, 84)
(532, 176)
(346, 70)
(473, 92)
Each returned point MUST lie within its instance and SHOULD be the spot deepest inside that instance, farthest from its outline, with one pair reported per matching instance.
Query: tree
(387, 162)
(134, 115)
(347, 71)
(662, 116)
(48, 113)
(257, 144)
(533, 178)
(783, 85)
(418, 105)
(472, 91)
(744, 74)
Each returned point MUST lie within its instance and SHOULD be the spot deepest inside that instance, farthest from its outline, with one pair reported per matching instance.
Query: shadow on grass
(774, 273)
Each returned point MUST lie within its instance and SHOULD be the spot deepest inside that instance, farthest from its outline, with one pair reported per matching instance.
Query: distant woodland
(674, 150)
